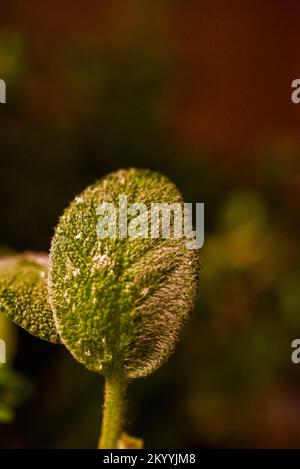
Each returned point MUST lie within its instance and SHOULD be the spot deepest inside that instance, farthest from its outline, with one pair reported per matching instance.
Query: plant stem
(114, 411)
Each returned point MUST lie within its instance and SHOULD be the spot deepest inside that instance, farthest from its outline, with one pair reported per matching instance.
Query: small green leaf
(23, 294)
(120, 303)
(129, 442)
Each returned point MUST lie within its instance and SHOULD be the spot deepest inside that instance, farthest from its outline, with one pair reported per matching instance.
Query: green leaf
(120, 303)
(129, 442)
(23, 294)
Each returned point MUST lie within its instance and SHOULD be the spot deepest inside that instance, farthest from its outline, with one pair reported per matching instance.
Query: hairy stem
(114, 411)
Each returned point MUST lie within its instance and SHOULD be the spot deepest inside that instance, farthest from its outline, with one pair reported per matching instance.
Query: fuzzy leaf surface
(23, 294)
(120, 303)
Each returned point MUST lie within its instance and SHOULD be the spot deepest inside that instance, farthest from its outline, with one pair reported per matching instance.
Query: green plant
(15, 388)
(117, 304)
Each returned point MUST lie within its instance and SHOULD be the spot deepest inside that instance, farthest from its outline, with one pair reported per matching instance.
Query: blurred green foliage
(15, 389)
